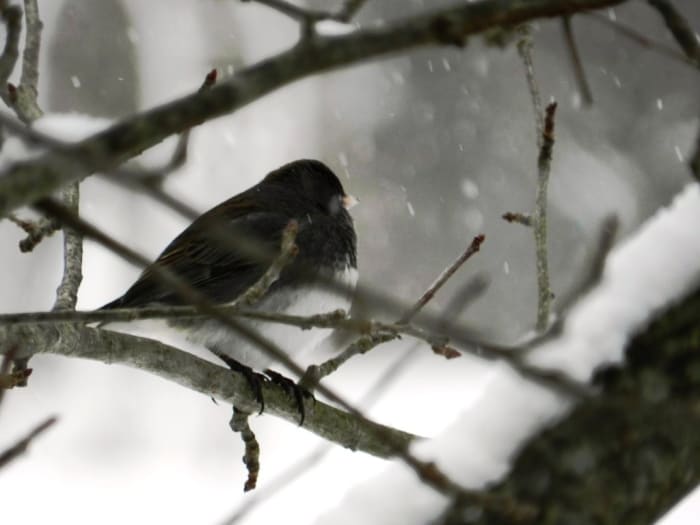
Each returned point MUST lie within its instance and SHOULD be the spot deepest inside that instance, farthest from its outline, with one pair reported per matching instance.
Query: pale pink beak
(349, 201)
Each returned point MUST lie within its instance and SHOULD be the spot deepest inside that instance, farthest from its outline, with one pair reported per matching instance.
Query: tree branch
(579, 73)
(525, 52)
(19, 448)
(642, 39)
(12, 18)
(67, 292)
(627, 456)
(25, 182)
(205, 377)
(25, 104)
(539, 217)
(680, 29)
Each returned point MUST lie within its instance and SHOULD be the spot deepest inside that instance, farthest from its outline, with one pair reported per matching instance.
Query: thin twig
(36, 231)
(641, 39)
(544, 123)
(349, 10)
(694, 162)
(67, 291)
(579, 73)
(12, 18)
(680, 29)
(25, 104)
(309, 17)
(525, 51)
(293, 11)
(525, 219)
(306, 18)
(288, 251)
(306, 463)
(463, 298)
(591, 277)
(473, 247)
(544, 162)
(688, 41)
(606, 238)
(9, 379)
(251, 457)
(152, 178)
(316, 373)
(334, 319)
(22, 445)
(277, 484)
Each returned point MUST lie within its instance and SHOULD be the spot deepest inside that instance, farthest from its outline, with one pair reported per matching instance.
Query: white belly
(303, 301)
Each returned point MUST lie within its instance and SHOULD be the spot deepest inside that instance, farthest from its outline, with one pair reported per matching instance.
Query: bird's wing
(220, 268)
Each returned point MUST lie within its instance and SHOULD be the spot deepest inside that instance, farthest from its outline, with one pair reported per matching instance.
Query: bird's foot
(254, 379)
(292, 389)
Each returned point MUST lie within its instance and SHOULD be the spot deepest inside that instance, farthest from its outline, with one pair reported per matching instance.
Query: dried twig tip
(210, 79)
(12, 91)
(549, 112)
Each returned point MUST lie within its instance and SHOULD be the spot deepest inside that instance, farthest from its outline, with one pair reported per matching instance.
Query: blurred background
(437, 143)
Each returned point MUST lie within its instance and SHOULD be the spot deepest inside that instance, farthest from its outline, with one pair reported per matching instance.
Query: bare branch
(12, 18)
(22, 445)
(207, 378)
(525, 51)
(300, 14)
(680, 29)
(25, 104)
(375, 337)
(35, 230)
(695, 159)
(350, 9)
(544, 122)
(251, 457)
(641, 39)
(579, 73)
(67, 292)
(524, 219)
(544, 294)
(26, 182)
(606, 238)
(308, 17)
(288, 251)
(442, 279)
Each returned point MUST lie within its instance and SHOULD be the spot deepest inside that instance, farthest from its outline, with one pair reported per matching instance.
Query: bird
(306, 191)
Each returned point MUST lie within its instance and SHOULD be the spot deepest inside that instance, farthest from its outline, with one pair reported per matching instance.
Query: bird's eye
(334, 205)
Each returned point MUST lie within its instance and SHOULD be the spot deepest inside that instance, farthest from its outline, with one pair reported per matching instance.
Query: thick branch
(203, 376)
(26, 182)
(627, 456)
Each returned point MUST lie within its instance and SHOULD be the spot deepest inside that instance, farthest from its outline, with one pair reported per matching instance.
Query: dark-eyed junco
(304, 190)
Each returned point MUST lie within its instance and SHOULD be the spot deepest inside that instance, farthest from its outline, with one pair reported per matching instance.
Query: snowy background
(437, 144)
